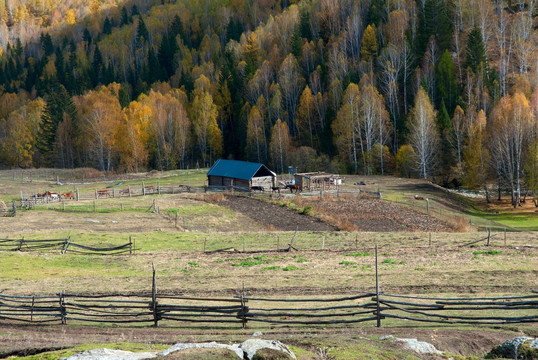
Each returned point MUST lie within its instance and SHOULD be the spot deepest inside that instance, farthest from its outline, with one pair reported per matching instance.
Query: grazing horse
(52, 195)
(68, 195)
(103, 193)
(275, 188)
(297, 188)
(256, 188)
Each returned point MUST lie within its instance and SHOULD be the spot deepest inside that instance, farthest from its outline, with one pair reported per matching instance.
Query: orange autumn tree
(132, 136)
(100, 113)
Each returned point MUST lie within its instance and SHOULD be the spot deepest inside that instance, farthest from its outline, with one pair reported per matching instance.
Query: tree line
(443, 90)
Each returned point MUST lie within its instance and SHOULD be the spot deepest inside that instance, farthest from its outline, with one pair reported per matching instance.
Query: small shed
(241, 174)
(318, 181)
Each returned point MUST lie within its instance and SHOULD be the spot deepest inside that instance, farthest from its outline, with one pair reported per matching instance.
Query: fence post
(489, 233)
(143, 189)
(378, 312)
(122, 206)
(159, 188)
(129, 189)
(154, 298)
(176, 219)
(427, 205)
(205, 240)
(32, 310)
(62, 307)
(505, 236)
(77, 195)
(130, 246)
(430, 238)
(243, 308)
(14, 207)
(96, 196)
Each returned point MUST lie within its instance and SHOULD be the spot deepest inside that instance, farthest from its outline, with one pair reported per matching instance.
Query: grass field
(326, 263)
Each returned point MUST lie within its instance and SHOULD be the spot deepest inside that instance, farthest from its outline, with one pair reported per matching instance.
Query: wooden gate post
(378, 312)
(62, 307)
(154, 298)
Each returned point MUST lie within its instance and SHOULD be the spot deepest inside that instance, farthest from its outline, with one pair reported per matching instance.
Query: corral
(257, 246)
(318, 181)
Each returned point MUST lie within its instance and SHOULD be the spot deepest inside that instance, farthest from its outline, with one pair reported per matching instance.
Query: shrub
(489, 252)
(359, 254)
(290, 268)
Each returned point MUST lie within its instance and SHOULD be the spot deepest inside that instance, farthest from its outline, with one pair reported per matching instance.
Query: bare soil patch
(376, 215)
(274, 216)
(28, 339)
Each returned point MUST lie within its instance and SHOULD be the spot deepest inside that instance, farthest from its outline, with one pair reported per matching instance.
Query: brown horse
(297, 188)
(68, 195)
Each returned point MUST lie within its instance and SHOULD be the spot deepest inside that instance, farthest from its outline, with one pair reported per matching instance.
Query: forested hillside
(439, 89)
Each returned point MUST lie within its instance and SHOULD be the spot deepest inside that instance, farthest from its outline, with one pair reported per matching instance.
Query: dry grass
(341, 224)
(214, 197)
(458, 223)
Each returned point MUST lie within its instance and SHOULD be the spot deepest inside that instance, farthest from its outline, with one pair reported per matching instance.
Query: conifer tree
(58, 103)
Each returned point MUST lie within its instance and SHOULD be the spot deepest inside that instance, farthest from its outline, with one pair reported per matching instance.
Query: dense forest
(445, 90)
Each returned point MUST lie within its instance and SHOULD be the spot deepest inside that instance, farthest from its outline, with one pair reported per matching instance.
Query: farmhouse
(241, 174)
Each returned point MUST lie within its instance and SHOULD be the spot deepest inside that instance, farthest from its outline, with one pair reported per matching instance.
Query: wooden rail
(64, 246)
(154, 308)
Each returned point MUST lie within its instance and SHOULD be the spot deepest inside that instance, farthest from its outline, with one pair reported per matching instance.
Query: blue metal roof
(236, 169)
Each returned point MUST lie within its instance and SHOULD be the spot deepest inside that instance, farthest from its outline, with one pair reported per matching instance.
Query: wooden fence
(9, 211)
(241, 310)
(63, 245)
(152, 308)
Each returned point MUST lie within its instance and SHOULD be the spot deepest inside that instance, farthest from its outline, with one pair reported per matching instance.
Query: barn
(240, 174)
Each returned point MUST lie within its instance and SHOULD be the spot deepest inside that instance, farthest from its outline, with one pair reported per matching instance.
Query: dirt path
(274, 216)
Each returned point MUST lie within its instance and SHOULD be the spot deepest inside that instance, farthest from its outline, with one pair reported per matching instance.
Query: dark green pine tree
(142, 34)
(107, 26)
(297, 43)
(60, 67)
(476, 51)
(234, 30)
(97, 65)
(46, 44)
(177, 29)
(304, 25)
(87, 37)
(167, 52)
(447, 158)
(153, 71)
(123, 95)
(434, 20)
(447, 84)
(58, 103)
(124, 16)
